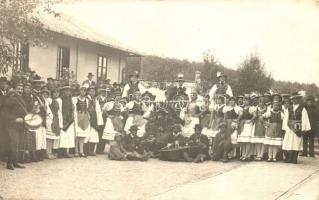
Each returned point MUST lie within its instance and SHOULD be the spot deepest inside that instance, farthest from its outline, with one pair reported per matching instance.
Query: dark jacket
(313, 117)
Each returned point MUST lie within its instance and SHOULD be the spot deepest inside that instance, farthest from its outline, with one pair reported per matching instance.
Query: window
(63, 63)
(21, 54)
(101, 67)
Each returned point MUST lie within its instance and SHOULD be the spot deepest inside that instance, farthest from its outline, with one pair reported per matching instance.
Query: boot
(287, 156)
(294, 157)
(39, 155)
(44, 154)
(10, 166)
(86, 149)
(33, 156)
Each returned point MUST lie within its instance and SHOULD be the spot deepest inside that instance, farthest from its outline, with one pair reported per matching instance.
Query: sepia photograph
(159, 99)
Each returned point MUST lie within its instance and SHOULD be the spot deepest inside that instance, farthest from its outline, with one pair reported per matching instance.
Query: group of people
(42, 120)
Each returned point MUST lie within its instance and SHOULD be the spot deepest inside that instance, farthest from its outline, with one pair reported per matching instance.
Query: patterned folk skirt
(246, 131)
(273, 134)
(259, 131)
(113, 125)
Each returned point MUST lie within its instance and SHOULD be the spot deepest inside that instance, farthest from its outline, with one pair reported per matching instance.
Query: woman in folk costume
(82, 125)
(295, 124)
(54, 130)
(114, 121)
(246, 128)
(67, 134)
(190, 115)
(137, 111)
(206, 118)
(102, 98)
(51, 138)
(257, 140)
(96, 120)
(274, 133)
(231, 114)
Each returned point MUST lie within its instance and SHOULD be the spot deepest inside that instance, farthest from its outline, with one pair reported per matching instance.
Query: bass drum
(33, 121)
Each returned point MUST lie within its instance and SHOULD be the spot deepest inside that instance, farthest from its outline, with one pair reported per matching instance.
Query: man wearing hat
(89, 81)
(96, 120)
(309, 136)
(178, 89)
(220, 88)
(133, 147)
(295, 124)
(132, 86)
(4, 87)
(13, 112)
(201, 141)
(222, 144)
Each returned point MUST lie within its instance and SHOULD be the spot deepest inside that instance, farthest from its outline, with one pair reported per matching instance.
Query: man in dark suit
(310, 135)
(89, 81)
(3, 135)
(13, 112)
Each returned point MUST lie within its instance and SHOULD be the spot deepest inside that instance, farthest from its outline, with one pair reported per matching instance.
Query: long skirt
(40, 135)
(93, 136)
(273, 134)
(113, 126)
(189, 127)
(54, 138)
(292, 142)
(259, 131)
(137, 120)
(67, 138)
(246, 131)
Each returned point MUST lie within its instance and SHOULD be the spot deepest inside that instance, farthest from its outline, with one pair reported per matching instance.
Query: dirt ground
(100, 178)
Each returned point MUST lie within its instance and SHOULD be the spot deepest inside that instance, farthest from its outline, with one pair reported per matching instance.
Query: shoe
(274, 160)
(76, 155)
(270, 160)
(312, 156)
(16, 165)
(10, 166)
(67, 155)
(303, 154)
(82, 155)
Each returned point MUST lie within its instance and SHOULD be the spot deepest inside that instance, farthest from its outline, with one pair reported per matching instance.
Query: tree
(252, 76)
(20, 25)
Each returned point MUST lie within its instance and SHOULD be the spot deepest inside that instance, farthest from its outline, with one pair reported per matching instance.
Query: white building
(77, 49)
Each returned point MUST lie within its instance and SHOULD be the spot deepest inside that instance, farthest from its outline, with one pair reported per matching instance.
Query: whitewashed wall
(44, 59)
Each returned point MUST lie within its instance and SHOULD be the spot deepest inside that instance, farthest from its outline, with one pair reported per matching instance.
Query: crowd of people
(54, 119)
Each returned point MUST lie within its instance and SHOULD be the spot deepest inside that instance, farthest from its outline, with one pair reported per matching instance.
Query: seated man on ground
(199, 145)
(133, 146)
(222, 144)
(117, 151)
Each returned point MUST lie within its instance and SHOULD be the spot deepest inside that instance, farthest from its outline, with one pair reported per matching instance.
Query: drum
(173, 154)
(33, 121)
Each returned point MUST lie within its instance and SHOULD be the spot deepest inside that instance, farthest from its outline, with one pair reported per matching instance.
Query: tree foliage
(252, 76)
(20, 24)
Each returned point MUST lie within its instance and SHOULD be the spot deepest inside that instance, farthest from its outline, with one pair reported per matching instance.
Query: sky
(284, 33)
